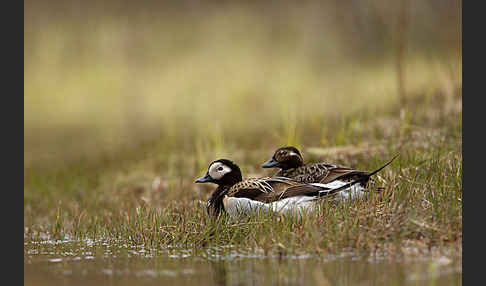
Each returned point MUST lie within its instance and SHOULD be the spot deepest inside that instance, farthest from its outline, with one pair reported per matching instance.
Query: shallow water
(89, 262)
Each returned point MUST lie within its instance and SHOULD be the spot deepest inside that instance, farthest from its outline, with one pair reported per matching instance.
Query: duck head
(285, 158)
(221, 172)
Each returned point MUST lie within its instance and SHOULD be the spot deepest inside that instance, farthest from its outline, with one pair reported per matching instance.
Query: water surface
(89, 262)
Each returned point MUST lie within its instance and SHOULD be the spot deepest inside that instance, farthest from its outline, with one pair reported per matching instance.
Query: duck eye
(220, 168)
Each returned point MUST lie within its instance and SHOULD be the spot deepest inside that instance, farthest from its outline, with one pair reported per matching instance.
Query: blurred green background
(107, 79)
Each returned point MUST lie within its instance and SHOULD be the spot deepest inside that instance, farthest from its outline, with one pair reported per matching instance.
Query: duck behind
(291, 164)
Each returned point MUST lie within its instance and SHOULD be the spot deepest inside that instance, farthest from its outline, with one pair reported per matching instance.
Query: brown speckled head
(285, 158)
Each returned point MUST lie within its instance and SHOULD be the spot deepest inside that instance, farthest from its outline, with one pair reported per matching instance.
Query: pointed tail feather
(350, 184)
(379, 169)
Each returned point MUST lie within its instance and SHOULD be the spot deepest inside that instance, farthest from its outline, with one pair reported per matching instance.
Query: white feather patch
(218, 170)
(353, 192)
(238, 206)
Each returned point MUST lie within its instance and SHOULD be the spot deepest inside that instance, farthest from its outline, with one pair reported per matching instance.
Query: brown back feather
(321, 173)
(281, 188)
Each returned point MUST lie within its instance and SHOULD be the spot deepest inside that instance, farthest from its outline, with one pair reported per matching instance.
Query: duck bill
(205, 179)
(270, 164)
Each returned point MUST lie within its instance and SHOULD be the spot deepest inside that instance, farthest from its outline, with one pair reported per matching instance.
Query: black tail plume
(379, 169)
(364, 178)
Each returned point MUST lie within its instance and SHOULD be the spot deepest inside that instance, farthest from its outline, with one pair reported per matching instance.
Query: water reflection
(218, 273)
(102, 263)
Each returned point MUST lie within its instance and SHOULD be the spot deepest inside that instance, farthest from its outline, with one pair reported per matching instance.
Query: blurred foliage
(191, 76)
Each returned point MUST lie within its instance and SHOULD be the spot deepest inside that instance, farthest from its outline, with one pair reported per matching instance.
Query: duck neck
(215, 202)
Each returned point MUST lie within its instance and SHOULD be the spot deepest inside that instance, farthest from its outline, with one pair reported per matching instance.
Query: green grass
(421, 206)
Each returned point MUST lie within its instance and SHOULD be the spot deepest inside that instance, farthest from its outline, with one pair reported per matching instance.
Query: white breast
(244, 206)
